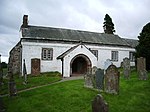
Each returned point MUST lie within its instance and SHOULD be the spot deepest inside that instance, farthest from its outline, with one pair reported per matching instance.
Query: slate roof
(50, 33)
(133, 43)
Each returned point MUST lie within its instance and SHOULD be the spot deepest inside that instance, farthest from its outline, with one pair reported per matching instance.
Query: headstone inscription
(112, 80)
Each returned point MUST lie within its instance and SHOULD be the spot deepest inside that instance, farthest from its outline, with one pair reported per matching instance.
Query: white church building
(67, 51)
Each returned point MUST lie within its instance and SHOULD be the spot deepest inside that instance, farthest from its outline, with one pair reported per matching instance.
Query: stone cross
(99, 78)
(141, 68)
(126, 68)
(112, 80)
(99, 105)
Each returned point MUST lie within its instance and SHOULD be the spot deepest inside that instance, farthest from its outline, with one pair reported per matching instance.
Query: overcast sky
(128, 16)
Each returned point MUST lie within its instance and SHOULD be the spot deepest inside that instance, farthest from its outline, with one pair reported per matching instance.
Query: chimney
(25, 21)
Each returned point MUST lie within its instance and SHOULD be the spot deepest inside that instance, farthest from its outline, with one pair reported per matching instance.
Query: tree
(108, 25)
(143, 48)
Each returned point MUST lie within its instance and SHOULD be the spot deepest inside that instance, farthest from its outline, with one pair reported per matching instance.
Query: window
(95, 52)
(131, 56)
(114, 55)
(47, 54)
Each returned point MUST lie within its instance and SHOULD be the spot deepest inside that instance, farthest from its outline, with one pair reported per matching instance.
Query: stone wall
(15, 59)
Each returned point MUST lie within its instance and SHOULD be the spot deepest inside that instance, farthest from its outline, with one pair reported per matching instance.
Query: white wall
(33, 50)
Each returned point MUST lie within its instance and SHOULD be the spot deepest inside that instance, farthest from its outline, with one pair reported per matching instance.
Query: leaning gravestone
(126, 68)
(99, 78)
(99, 105)
(112, 80)
(141, 68)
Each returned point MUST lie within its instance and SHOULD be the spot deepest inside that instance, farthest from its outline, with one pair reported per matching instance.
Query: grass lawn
(72, 96)
(44, 78)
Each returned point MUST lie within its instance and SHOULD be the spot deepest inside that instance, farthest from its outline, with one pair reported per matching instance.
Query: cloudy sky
(128, 16)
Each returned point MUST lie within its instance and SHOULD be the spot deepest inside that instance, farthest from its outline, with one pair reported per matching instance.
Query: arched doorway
(79, 65)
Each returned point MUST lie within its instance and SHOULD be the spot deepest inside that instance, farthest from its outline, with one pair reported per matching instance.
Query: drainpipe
(62, 66)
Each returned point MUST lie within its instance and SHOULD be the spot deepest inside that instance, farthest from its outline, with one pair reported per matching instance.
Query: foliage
(72, 96)
(108, 25)
(143, 48)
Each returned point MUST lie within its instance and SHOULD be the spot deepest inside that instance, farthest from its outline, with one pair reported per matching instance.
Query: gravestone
(112, 80)
(99, 78)
(35, 66)
(99, 105)
(126, 68)
(12, 87)
(11, 83)
(24, 72)
(94, 69)
(141, 68)
(107, 63)
(88, 78)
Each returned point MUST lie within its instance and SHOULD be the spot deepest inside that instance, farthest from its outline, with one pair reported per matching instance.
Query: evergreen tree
(108, 25)
(143, 48)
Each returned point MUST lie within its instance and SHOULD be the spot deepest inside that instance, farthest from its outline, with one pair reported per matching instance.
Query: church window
(131, 56)
(114, 55)
(47, 54)
(95, 52)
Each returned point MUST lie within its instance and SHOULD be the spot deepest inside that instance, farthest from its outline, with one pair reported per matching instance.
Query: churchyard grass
(134, 95)
(72, 96)
(32, 81)
(69, 96)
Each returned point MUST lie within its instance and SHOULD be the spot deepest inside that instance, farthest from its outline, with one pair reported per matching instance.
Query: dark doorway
(79, 65)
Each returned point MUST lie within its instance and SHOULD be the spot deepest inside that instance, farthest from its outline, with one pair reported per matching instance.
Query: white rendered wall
(33, 50)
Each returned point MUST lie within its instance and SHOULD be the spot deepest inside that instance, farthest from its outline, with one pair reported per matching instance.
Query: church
(70, 52)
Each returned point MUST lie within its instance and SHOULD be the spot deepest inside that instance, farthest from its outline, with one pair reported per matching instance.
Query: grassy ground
(44, 78)
(69, 96)
(72, 96)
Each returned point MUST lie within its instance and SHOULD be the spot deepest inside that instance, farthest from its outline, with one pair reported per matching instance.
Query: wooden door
(35, 66)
